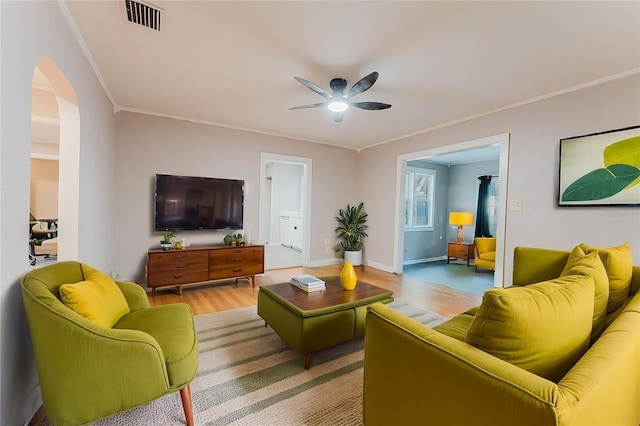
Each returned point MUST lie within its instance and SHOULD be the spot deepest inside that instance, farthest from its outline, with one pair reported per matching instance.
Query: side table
(460, 251)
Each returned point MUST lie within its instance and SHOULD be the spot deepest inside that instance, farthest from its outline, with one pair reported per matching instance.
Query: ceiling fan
(338, 101)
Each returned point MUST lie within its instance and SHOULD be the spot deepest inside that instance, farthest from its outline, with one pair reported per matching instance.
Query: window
(419, 198)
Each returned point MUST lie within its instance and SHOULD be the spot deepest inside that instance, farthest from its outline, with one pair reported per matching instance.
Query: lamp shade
(460, 218)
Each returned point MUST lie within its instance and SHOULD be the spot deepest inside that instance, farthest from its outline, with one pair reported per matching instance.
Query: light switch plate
(516, 206)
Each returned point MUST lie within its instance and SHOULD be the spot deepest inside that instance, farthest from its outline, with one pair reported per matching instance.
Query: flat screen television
(197, 203)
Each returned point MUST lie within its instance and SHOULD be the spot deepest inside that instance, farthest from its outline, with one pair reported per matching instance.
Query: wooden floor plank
(222, 296)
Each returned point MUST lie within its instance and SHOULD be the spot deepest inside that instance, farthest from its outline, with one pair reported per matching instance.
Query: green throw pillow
(543, 328)
(98, 298)
(618, 262)
(580, 263)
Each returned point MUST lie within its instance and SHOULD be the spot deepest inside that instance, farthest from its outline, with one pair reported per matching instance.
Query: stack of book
(308, 283)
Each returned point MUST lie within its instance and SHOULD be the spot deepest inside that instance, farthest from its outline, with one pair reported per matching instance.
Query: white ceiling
(232, 63)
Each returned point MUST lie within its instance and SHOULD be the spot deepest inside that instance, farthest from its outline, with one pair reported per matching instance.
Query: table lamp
(460, 219)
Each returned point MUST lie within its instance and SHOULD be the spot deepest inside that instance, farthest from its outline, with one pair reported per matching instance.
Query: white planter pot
(353, 257)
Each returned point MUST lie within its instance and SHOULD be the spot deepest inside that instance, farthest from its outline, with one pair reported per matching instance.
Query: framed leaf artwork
(601, 169)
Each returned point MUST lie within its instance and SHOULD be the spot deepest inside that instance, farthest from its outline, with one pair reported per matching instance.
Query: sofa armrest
(136, 296)
(430, 377)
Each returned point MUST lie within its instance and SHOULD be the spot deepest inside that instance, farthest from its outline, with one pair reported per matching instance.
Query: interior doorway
(284, 218)
(44, 172)
(58, 140)
(501, 143)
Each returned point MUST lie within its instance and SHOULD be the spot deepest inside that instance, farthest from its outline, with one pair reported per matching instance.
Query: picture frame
(600, 169)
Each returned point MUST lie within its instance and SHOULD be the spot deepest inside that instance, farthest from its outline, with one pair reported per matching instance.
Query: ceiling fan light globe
(338, 106)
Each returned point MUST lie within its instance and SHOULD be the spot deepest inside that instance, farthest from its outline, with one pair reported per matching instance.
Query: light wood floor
(221, 296)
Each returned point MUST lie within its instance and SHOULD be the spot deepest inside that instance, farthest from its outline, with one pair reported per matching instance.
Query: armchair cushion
(618, 262)
(172, 327)
(485, 244)
(580, 263)
(98, 298)
(489, 255)
(543, 328)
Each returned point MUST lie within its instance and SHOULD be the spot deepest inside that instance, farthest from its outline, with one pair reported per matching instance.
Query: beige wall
(146, 145)
(44, 188)
(533, 172)
(30, 31)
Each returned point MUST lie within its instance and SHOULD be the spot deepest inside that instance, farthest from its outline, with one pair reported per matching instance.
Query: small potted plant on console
(167, 240)
(229, 239)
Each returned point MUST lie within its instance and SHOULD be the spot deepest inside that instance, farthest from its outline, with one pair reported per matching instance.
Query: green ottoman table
(308, 322)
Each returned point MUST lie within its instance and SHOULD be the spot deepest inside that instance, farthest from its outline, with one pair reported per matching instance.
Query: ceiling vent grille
(144, 14)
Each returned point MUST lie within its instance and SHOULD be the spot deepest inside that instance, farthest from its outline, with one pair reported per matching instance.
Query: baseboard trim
(381, 266)
(31, 409)
(37, 417)
(323, 262)
(424, 260)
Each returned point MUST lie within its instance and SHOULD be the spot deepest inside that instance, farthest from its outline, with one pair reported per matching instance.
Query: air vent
(144, 14)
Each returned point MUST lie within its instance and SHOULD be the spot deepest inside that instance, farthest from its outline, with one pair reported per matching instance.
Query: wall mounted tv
(197, 203)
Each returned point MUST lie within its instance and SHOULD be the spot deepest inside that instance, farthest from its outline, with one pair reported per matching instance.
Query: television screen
(195, 203)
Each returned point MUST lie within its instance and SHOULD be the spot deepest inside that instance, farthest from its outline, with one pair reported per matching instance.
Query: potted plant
(229, 239)
(167, 240)
(239, 240)
(352, 226)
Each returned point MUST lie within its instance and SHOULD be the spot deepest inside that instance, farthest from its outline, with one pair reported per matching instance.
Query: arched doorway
(68, 155)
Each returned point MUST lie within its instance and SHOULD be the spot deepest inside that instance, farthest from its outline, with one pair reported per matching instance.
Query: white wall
(535, 130)
(286, 194)
(146, 145)
(31, 30)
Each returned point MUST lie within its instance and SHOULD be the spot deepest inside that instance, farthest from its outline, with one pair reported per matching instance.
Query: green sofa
(414, 374)
(89, 371)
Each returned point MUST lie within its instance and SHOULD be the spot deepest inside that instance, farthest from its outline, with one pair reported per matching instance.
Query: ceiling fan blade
(362, 85)
(309, 106)
(319, 90)
(370, 105)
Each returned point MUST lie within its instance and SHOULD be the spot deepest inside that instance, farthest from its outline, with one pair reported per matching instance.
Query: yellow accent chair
(99, 347)
(485, 253)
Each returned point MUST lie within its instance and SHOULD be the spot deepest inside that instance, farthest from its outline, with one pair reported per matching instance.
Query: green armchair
(88, 371)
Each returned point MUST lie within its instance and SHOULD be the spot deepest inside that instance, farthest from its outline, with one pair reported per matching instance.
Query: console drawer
(162, 278)
(234, 271)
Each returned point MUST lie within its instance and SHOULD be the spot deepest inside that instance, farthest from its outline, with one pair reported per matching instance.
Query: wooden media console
(197, 265)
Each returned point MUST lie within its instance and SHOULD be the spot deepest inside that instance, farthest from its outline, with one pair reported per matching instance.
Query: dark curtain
(482, 213)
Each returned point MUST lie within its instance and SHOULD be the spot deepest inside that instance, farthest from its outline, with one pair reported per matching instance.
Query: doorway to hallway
(285, 193)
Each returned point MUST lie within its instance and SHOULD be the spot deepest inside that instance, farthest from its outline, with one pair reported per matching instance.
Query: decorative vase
(348, 277)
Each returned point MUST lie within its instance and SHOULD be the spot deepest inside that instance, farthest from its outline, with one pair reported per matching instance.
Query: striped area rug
(248, 376)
